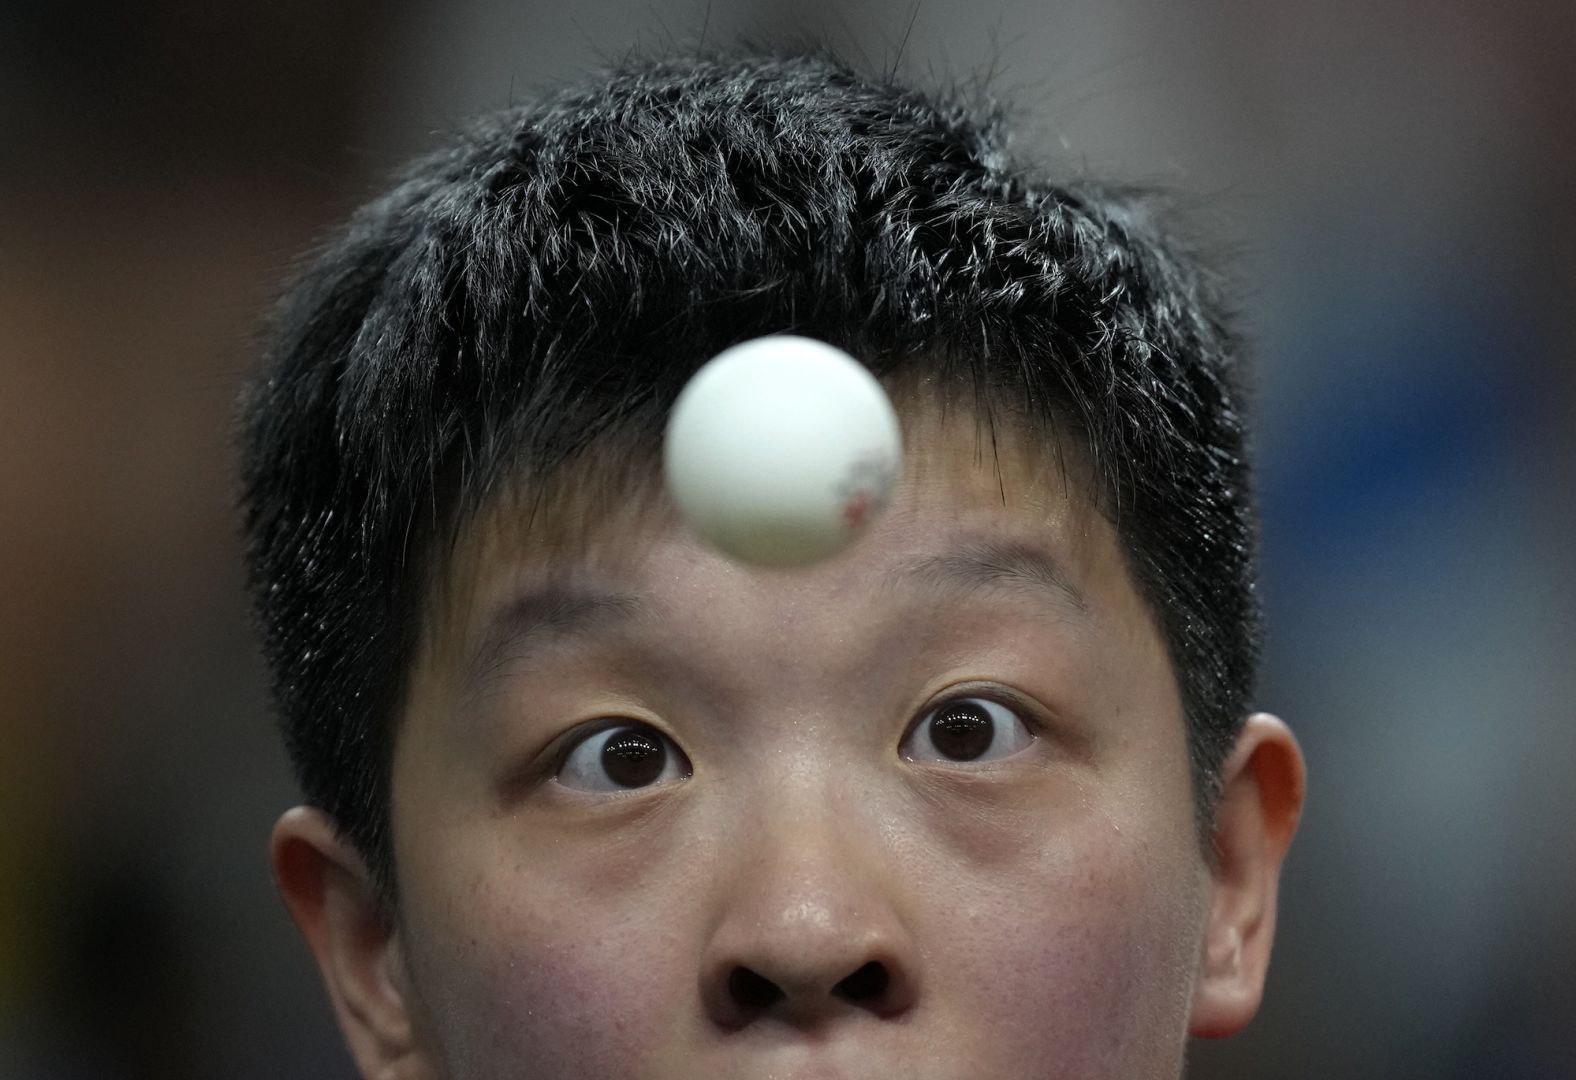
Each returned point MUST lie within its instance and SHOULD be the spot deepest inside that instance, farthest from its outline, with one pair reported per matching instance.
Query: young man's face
(921, 811)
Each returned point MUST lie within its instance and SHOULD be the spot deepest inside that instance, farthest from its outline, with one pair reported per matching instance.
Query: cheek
(574, 988)
(1087, 964)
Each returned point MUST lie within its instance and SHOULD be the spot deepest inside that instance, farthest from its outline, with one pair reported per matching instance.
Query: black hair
(547, 283)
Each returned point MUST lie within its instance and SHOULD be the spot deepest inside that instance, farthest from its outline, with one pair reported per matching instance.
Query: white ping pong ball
(780, 451)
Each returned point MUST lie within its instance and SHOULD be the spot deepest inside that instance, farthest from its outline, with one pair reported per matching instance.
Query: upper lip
(817, 1070)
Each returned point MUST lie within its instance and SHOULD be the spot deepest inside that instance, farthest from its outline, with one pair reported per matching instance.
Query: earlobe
(1262, 786)
(328, 890)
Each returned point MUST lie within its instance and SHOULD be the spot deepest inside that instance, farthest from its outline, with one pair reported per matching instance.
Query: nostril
(866, 984)
(751, 990)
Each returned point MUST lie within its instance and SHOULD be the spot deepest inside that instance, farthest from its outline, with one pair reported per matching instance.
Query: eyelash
(989, 695)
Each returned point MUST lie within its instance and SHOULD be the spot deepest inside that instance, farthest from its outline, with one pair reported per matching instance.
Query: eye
(620, 758)
(967, 729)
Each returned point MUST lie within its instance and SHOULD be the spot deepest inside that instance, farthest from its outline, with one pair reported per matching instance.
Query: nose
(811, 930)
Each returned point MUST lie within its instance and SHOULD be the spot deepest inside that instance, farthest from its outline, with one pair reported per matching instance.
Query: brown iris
(633, 758)
(961, 730)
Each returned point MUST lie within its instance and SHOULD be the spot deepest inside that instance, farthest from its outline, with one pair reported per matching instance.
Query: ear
(1261, 800)
(329, 892)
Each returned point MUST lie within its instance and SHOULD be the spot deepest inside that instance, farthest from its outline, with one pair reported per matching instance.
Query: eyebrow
(548, 615)
(979, 565)
(561, 612)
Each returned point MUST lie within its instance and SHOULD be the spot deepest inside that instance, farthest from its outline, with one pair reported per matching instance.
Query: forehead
(973, 491)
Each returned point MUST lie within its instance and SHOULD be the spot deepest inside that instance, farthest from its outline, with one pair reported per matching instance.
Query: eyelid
(570, 739)
(536, 769)
(1030, 712)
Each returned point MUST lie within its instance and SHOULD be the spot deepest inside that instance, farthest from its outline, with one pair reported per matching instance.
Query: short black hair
(549, 281)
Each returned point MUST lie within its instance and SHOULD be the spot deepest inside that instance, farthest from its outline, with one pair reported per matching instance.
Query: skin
(1044, 913)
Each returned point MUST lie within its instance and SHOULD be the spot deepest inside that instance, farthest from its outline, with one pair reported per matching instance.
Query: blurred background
(1392, 183)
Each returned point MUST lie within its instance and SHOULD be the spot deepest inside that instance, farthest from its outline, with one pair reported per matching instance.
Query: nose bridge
(811, 853)
(812, 921)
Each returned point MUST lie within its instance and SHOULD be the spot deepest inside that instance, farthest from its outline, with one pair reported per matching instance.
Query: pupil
(962, 731)
(633, 759)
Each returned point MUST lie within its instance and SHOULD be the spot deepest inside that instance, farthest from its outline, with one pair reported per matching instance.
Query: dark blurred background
(1391, 182)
